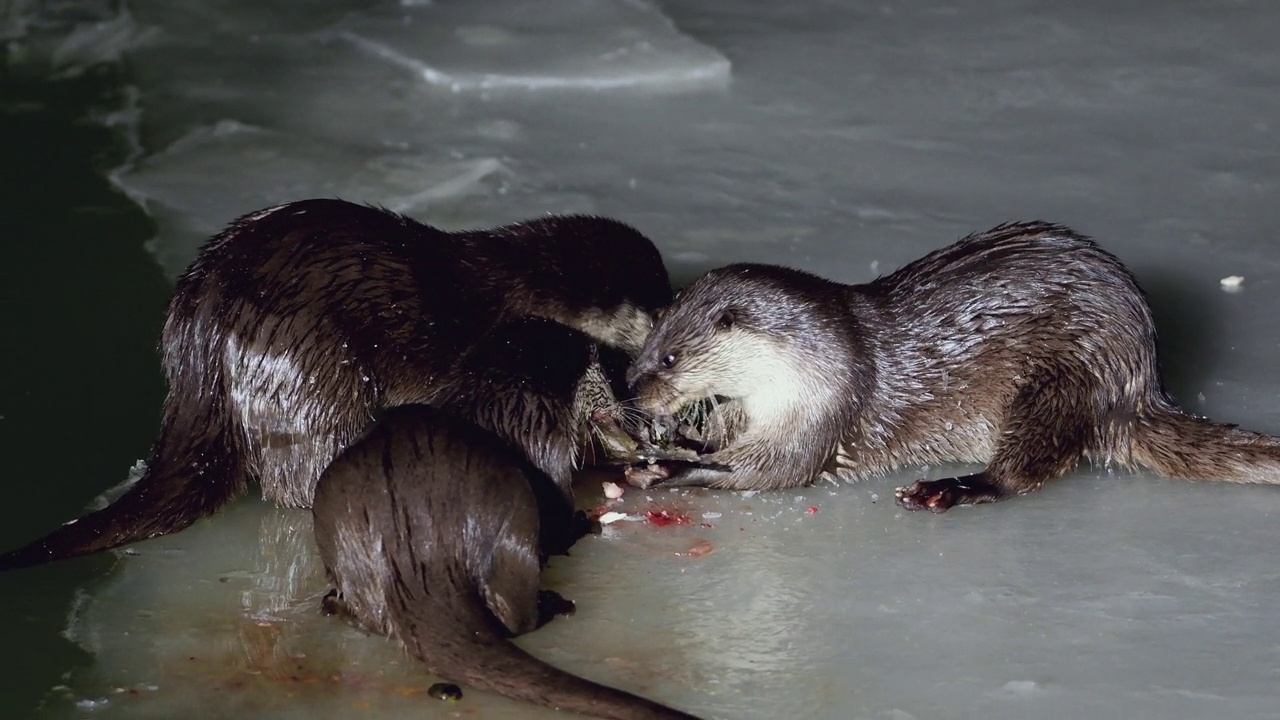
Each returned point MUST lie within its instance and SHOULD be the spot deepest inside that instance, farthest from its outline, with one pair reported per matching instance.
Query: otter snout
(638, 373)
(650, 380)
(651, 396)
(635, 379)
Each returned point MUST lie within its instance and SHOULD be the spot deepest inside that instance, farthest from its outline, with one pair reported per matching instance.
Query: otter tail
(187, 479)
(490, 662)
(1180, 445)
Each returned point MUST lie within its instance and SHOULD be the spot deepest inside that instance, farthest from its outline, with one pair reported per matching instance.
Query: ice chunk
(613, 516)
(591, 45)
(55, 20)
(217, 173)
(1232, 283)
(95, 43)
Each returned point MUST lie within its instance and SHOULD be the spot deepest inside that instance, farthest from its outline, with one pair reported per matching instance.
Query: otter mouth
(654, 448)
(631, 439)
(699, 423)
(631, 436)
(688, 434)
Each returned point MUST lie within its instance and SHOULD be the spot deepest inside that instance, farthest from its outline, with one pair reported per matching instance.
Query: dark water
(80, 386)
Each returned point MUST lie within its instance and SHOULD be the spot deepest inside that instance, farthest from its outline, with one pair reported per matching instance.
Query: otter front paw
(936, 496)
(646, 476)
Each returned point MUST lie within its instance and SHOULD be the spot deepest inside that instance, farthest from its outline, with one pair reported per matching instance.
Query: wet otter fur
(1026, 348)
(539, 387)
(296, 324)
(429, 531)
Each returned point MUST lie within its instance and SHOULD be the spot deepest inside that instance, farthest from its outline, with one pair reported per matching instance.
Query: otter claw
(934, 496)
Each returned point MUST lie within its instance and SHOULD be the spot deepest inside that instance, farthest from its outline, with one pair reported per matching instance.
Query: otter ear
(725, 321)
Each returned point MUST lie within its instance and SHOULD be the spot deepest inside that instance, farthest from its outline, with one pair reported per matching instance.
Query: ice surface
(852, 138)
(1090, 600)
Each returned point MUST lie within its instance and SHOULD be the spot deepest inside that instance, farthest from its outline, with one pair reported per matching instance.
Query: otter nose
(633, 374)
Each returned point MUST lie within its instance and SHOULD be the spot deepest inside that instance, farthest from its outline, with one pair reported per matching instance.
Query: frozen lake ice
(843, 138)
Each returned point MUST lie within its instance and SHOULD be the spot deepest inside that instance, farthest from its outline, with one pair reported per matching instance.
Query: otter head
(757, 334)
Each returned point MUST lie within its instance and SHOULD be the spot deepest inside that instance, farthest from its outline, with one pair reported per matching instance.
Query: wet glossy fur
(536, 385)
(294, 326)
(1026, 348)
(429, 531)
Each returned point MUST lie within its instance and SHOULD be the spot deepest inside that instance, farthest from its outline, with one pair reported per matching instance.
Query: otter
(1025, 348)
(429, 532)
(297, 323)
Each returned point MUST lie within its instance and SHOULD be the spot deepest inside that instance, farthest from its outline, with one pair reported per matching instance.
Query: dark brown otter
(297, 323)
(540, 386)
(429, 531)
(1025, 348)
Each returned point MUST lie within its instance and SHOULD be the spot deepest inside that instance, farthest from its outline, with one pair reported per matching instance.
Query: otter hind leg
(552, 604)
(938, 496)
(511, 573)
(297, 412)
(1046, 432)
(334, 604)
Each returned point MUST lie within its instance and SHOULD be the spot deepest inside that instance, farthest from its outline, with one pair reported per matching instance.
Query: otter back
(430, 533)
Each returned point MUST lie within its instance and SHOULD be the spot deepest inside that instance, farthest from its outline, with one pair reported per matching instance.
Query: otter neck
(797, 401)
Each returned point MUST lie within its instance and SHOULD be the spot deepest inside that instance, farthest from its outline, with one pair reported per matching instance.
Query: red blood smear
(662, 518)
(811, 510)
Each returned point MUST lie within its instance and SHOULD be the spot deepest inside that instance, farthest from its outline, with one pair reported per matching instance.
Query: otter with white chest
(297, 324)
(1026, 348)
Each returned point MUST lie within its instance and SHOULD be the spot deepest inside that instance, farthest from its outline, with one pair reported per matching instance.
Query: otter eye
(668, 361)
(725, 321)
